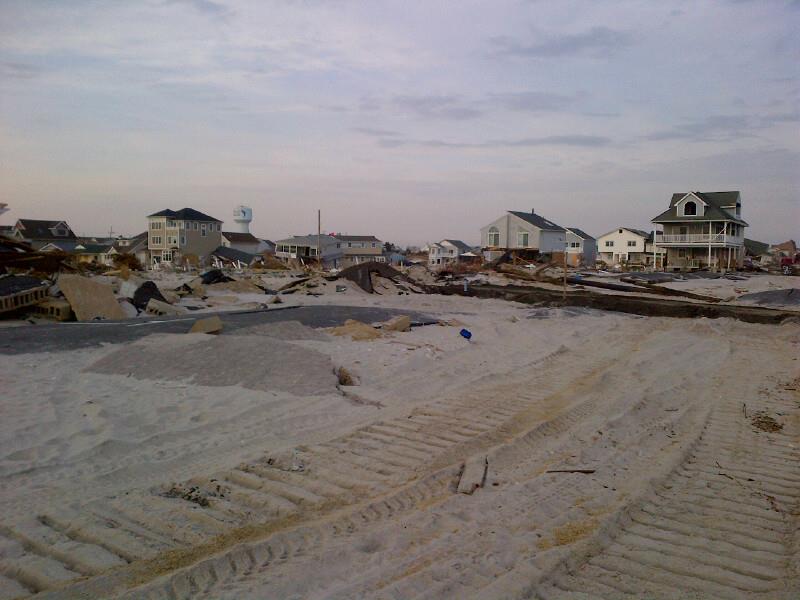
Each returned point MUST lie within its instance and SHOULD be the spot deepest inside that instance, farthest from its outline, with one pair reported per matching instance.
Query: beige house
(703, 230)
(177, 234)
(358, 249)
(629, 247)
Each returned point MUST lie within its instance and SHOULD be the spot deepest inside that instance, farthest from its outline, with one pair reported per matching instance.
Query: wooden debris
(474, 475)
(585, 471)
(90, 299)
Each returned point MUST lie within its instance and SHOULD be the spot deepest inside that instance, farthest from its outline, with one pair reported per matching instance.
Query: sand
(235, 466)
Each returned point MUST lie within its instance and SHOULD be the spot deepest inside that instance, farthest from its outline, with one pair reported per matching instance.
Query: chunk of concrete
(399, 323)
(90, 299)
(156, 307)
(474, 475)
(209, 325)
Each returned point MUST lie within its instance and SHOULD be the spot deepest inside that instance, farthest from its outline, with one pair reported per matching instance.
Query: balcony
(699, 238)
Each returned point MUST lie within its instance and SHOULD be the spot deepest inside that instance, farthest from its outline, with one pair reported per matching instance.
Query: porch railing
(697, 238)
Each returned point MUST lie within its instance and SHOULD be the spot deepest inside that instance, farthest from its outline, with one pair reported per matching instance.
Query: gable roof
(36, 229)
(462, 247)
(715, 201)
(356, 238)
(308, 240)
(59, 246)
(138, 241)
(184, 214)
(240, 238)
(580, 233)
(537, 221)
(755, 248)
(93, 248)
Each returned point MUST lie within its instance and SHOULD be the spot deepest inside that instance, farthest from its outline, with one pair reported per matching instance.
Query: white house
(521, 231)
(446, 252)
(628, 246)
(581, 248)
(304, 249)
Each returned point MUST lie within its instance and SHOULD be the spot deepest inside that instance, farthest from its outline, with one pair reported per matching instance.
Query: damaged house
(303, 248)
(40, 233)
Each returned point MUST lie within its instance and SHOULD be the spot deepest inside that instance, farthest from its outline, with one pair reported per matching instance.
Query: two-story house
(303, 248)
(703, 230)
(446, 253)
(40, 233)
(522, 231)
(628, 246)
(581, 248)
(357, 249)
(175, 234)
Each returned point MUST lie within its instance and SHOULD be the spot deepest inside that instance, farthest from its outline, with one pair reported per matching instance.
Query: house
(97, 254)
(177, 234)
(244, 242)
(446, 253)
(703, 230)
(628, 246)
(357, 249)
(39, 233)
(266, 247)
(304, 249)
(581, 248)
(136, 245)
(521, 231)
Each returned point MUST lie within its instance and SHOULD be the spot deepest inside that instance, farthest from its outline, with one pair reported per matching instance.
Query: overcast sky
(413, 121)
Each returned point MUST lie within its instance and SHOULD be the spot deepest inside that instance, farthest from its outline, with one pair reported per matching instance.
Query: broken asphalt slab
(58, 337)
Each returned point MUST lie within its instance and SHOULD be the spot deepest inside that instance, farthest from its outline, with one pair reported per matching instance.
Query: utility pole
(319, 237)
(566, 245)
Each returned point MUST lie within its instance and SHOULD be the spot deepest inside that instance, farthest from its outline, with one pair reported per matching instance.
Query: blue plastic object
(466, 334)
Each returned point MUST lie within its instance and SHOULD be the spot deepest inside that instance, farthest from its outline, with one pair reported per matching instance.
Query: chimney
(533, 212)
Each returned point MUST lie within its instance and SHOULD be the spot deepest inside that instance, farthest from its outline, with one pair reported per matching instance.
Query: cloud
(722, 127)
(532, 101)
(579, 141)
(208, 7)
(376, 132)
(18, 70)
(437, 107)
(597, 42)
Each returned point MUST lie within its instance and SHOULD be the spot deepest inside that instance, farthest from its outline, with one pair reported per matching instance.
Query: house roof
(715, 201)
(240, 238)
(639, 232)
(62, 245)
(137, 241)
(309, 240)
(184, 214)
(93, 248)
(580, 233)
(356, 238)
(462, 247)
(537, 221)
(754, 248)
(35, 229)
(232, 254)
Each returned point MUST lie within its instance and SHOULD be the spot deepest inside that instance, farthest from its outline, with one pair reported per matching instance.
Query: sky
(411, 121)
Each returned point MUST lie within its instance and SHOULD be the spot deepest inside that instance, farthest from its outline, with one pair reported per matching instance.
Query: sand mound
(789, 297)
(242, 360)
(358, 331)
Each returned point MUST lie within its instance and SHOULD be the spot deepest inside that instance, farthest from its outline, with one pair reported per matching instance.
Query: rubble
(208, 325)
(240, 286)
(90, 299)
(54, 308)
(398, 323)
(19, 291)
(214, 276)
(161, 309)
(362, 275)
(474, 474)
(146, 292)
(358, 331)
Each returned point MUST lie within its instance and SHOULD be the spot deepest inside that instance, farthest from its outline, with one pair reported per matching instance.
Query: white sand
(289, 488)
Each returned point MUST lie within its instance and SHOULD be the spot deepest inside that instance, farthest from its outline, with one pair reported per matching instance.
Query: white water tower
(242, 215)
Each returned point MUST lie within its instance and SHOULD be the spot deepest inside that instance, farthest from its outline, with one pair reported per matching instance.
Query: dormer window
(690, 209)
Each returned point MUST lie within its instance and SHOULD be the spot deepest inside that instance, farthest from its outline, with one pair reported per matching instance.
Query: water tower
(242, 215)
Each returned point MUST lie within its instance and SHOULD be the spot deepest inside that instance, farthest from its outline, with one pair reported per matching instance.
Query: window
(219, 226)
(631, 243)
(681, 253)
(183, 240)
(339, 245)
(609, 243)
(156, 240)
(690, 208)
(180, 224)
(493, 237)
(203, 230)
(155, 224)
(522, 239)
(374, 245)
(349, 244)
(195, 225)
(171, 224)
(574, 244)
(172, 240)
(166, 256)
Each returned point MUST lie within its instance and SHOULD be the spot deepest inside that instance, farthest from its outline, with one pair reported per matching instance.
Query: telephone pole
(319, 237)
